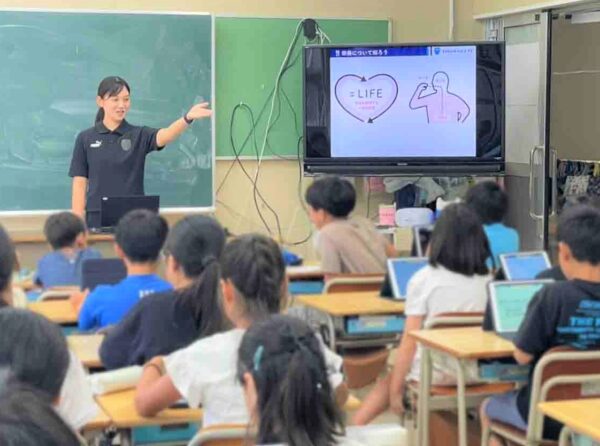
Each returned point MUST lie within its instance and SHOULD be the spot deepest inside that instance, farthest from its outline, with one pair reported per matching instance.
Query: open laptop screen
(509, 302)
(524, 265)
(401, 270)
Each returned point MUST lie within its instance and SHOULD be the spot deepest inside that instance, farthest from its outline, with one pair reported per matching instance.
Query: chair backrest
(344, 283)
(222, 435)
(561, 374)
(455, 319)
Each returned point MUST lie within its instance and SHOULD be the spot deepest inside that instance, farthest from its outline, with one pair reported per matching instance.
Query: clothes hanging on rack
(577, 178)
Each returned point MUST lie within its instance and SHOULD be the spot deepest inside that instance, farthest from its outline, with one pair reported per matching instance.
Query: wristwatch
(187, 120)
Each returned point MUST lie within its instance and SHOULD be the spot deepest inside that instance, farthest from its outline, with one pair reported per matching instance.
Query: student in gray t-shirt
(345, 244)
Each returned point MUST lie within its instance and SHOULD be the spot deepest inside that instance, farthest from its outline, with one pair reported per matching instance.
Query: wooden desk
(101, 422)
(581, 416)
(339, 305)
(310, 271)
(461, 345)
(120, 408)
(87, 348)
(352, 304)
(38, 237)
(465, 343)
(58, 311)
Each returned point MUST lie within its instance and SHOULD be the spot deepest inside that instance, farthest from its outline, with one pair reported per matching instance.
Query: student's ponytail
(201, 299)
(296, 405)
(196, 243)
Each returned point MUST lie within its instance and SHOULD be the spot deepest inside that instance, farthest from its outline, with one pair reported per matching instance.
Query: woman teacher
(109, 158)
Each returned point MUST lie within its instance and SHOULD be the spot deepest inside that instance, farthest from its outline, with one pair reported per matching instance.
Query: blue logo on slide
(437, 50)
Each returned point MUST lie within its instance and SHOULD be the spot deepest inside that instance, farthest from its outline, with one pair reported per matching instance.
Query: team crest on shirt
(126, 144)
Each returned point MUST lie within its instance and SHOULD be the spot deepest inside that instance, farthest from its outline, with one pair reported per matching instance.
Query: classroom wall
(501, 6)
(576, 97)
(425, 20)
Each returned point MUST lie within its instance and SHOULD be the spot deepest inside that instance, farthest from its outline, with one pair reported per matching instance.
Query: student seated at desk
(139, 237)
(345, 244)
(27, 418)
(66, 234)
(23, 331)
(164, 322)
(48, 365)
(552, 315)
(253, 287)
(454, 281)
(288, 396)
(490, 203)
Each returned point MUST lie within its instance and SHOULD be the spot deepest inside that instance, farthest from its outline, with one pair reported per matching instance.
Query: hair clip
(257, 357)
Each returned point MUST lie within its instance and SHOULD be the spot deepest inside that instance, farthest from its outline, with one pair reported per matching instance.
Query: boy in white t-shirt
(253, 287)
(454, 281)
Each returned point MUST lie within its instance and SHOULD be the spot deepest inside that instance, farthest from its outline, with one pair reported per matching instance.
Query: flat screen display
(421, 108)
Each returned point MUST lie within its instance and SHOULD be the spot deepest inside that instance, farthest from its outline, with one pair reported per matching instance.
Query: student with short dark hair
(35, 347)
(27, 418)
(345, 244)
(139, 237)
(253, 287)
(490, 202)
(555, 314)
(164, 322)
(66, 234)
(455, 280)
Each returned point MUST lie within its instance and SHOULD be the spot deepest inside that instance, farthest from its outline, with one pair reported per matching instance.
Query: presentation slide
(403, 102)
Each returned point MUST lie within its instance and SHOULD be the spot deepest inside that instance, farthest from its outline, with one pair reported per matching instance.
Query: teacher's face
(115, 107)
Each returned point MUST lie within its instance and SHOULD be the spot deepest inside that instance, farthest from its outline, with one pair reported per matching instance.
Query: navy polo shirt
(112, 161)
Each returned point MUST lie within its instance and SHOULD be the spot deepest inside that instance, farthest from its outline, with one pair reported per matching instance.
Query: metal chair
(559, 375)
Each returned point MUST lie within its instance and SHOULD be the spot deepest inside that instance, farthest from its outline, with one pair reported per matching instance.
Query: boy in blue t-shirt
(490, 202)
(139, 237)
(555, 314)
(66, 234)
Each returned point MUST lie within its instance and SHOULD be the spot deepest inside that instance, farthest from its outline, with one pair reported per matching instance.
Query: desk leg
(565, 433)
(424, 391)
(461, 402)
(125, 437)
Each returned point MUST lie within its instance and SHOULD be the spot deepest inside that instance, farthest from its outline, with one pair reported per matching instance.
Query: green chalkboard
(51, 65)
(248, 57)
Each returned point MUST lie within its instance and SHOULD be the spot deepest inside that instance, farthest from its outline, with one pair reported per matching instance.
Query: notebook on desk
(509, 302)
(524, 265)
(401, 271)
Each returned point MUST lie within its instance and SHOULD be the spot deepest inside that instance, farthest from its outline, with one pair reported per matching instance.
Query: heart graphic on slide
(366, 99)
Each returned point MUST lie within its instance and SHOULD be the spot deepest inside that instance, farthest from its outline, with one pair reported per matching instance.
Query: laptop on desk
(401, 271)
(524, 265)
(509, 302)
(113, 208)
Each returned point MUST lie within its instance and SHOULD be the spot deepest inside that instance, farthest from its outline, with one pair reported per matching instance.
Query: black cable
(255, 191)
(368, 196)
(300, 197)
(253, 129)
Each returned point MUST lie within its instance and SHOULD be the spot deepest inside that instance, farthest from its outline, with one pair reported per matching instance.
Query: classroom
(300, 223)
